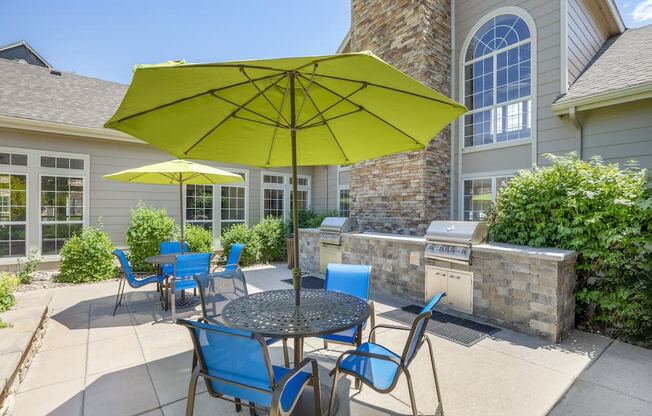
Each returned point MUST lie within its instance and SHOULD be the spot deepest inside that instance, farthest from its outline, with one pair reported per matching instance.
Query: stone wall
(403, 193)
(526, 289)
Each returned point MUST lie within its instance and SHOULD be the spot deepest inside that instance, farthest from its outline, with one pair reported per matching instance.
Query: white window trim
(287, 189)
(12, 259)
(341, 188)
(527, 18)
(493, 175)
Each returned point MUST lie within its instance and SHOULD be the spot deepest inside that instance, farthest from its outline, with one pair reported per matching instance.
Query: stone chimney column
(403, 193)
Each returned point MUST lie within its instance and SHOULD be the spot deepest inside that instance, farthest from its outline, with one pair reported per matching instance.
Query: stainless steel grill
(452, 240)
(331, 229)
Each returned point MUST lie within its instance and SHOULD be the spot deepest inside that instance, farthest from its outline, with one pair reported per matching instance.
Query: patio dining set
(232, 335)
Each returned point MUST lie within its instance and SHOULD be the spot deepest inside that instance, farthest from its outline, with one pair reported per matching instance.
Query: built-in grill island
(330, 239)
(452, 242)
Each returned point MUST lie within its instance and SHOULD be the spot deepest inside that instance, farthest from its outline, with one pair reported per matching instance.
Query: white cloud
(643, 11)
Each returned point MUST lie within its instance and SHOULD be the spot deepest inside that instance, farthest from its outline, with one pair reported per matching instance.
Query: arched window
(498, 82)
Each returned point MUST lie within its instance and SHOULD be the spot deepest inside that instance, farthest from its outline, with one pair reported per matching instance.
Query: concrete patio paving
(138, 363)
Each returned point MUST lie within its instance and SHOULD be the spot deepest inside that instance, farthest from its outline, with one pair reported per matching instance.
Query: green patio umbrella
(181, 172)
(307, 111)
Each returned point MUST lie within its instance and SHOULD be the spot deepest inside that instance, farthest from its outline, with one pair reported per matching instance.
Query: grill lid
(337, 224)
(457, 232)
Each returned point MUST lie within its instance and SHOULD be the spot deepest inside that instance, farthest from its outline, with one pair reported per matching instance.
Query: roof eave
(17, 123)
(625, 95)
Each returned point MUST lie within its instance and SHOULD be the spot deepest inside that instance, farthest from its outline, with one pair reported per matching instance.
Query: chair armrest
(282, 383)
(362, 354)
(371, 334)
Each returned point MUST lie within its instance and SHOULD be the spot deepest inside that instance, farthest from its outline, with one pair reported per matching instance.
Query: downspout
(572, 114)
(452, 195)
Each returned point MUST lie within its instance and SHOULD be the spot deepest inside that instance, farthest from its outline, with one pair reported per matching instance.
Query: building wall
(619, 133)
(551, 134)
(585, 37)
(404, 193)
(112, 201)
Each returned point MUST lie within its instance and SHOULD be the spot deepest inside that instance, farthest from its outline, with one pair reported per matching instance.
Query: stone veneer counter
(523, 288)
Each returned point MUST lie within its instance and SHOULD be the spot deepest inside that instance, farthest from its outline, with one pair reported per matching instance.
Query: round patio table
(161, 259)
(273, 314)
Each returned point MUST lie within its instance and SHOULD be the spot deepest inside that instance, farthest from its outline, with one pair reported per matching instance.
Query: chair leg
(286, 355)
(252, 409)
(333, 390)
(325, 344)
(118, 298)
(316, 388)
(173, 304)
(192, 388)
(238, 405)
(411, 391)
(440, 406)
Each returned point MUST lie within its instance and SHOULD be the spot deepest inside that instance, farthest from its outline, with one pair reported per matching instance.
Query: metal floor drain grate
(308, 282)
(459, 330)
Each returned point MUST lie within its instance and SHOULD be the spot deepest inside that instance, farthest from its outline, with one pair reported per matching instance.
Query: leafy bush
(25, 270)
(199, 239)
(149, 227)
(8, 283)
(240, 233)
(310, 219)
(271, 234)
(87, 257)
(602, 212)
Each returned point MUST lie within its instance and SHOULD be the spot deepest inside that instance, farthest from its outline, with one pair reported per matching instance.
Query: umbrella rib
(192, 97)
(425, 97)
(305, 123)
(306, 90)
(201, 139)
(324, 121)
(271, 145)
(370, 113)
(264, 96)
(247, 109)
(260, 122)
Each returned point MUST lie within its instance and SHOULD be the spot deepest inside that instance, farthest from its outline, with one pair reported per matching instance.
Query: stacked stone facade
(403, 193)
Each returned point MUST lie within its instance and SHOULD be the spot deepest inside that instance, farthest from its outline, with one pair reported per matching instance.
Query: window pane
(77, 164)
(477, 198)
(48, 162)
(62, 201)
(344, 203)
(13, 214)
(273, 203)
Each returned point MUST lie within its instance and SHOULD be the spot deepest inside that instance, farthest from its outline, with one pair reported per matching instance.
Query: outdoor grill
(331, 229)
(452, 240)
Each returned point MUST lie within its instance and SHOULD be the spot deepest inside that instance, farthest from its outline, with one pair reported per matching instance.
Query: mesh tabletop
(273, 313)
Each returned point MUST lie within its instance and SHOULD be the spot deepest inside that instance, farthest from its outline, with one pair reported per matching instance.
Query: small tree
(149, 227)
(87, 257)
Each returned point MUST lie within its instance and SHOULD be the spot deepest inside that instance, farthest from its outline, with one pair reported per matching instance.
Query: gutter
(635, 93)
(572, 114)
(65, 129)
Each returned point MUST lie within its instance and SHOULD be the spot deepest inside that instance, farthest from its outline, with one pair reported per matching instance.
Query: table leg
(298, 351)
(358, 341)
(167, 292)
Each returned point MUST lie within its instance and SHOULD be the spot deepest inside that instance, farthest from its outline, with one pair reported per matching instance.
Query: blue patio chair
(171, 247)
(236, 367)
(380, 368)
(354, 280)
(233, 261)
(218, 289)
(185, 268)
(127, 277)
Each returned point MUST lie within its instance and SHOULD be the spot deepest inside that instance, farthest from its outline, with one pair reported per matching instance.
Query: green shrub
(240, 233)
(8, 283)
(149, 227)
(199, 239)
(87, 257)
(25, 270)
(602, 212)
(271, 234)
(310, 219)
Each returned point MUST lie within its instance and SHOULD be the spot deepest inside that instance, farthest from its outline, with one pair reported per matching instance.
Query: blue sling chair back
(354, 280)
(233, 261)
(185, 268)
(127, 276)
(171, 247)
(380, 368)
(236, 367)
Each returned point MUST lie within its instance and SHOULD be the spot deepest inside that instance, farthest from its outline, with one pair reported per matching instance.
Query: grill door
(460, 291)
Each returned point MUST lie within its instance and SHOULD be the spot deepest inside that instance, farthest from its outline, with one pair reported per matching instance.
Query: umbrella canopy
(326, 110)
(181, 172)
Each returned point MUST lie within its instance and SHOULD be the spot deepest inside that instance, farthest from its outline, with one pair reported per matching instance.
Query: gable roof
(32, 95)
(621, 71)
(27, 47)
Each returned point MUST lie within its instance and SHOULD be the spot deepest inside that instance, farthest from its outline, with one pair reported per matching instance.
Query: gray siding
(619, 133)
(553, 134)
(585, 37)
(112, 201)
(324, 187)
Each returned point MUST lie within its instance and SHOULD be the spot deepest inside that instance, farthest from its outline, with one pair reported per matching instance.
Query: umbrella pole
(181, 213)
(296, 271)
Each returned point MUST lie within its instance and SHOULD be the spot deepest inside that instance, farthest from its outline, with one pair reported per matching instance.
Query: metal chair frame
(200, 370)
(173, 281)
(402, 364)
(230, 275)
(123, 280)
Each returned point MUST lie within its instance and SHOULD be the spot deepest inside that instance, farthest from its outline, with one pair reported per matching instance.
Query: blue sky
(106, 38)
